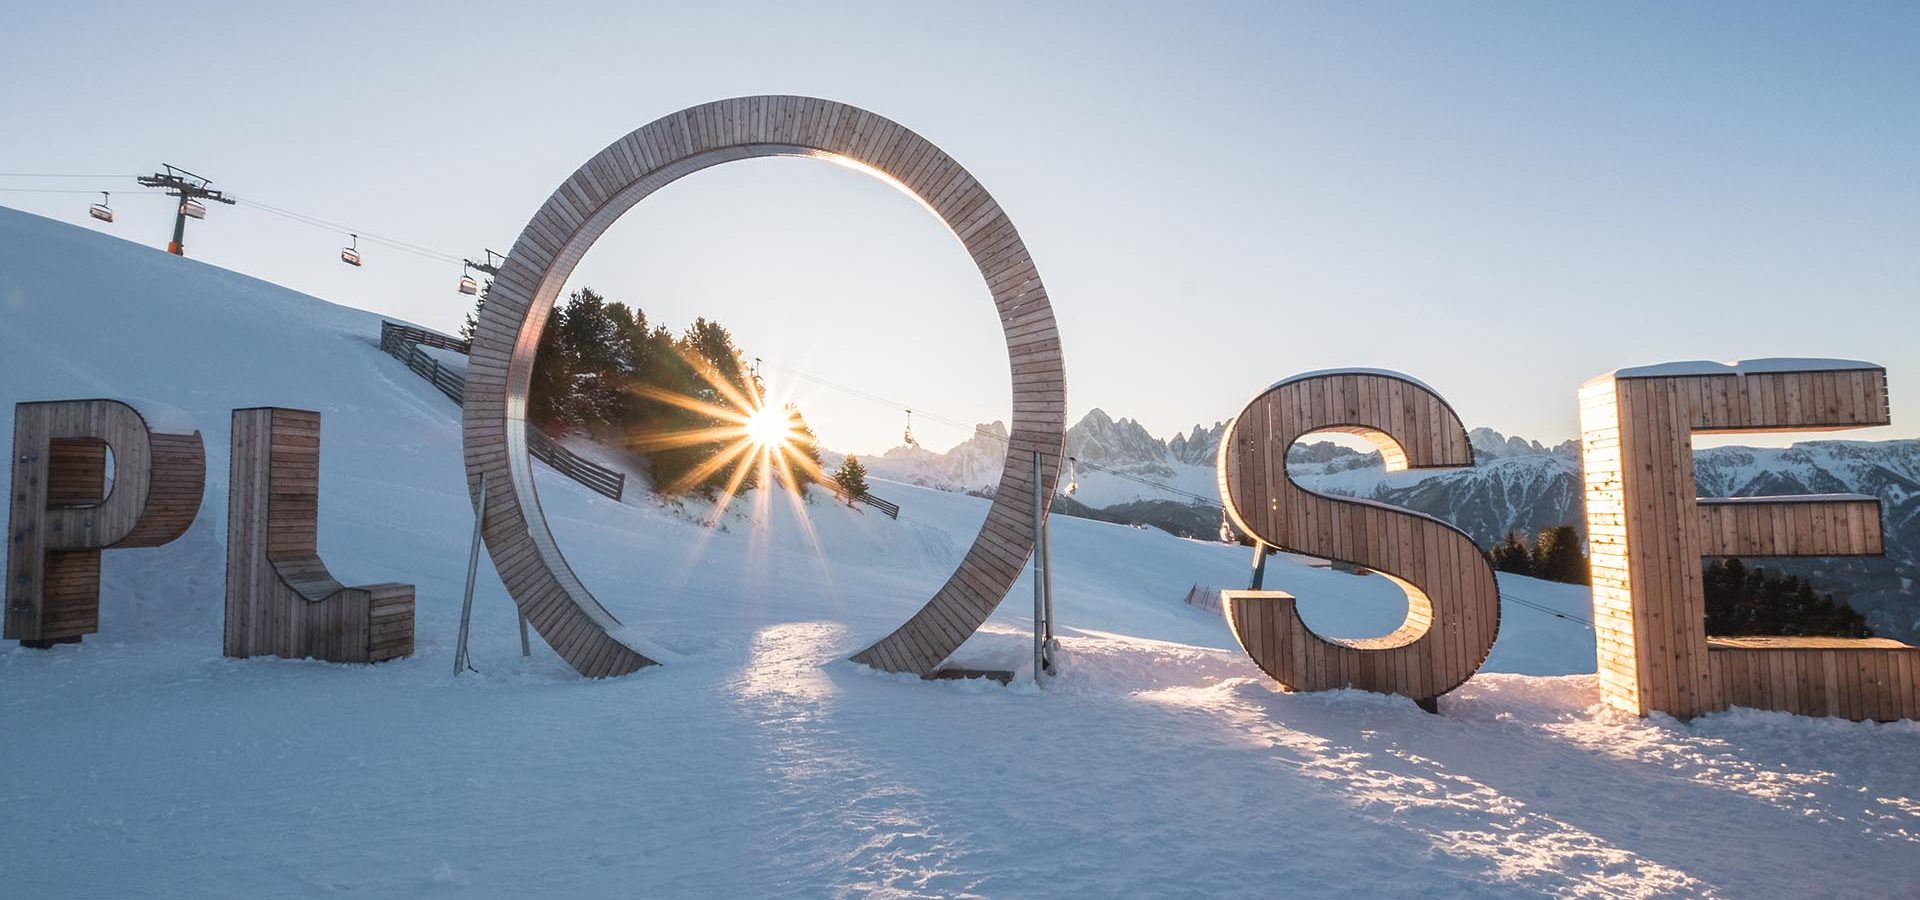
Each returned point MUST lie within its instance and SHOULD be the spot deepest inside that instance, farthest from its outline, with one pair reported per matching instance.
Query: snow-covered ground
(758, 762)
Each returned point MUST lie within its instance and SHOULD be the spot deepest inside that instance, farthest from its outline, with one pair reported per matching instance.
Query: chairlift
(1227, 535)
(351, 254)
(101, 210)
(908, 437)
(468, 285)
(1073, 480)
(192, 209)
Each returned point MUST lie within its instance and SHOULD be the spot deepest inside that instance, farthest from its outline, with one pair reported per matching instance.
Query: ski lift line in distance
(979, 432)
(104, 209)
(329, 225)
(490, 268)
(1074, 463)
(351, 254)
(22, 190)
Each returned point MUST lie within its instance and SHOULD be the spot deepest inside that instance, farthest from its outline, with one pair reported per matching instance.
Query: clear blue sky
(1500, 199)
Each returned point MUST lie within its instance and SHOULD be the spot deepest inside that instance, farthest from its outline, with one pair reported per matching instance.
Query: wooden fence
(403, 342)
(1201, 596)
(412, 335)
(891, 510)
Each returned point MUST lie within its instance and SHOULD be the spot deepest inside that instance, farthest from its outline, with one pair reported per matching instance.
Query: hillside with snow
(757, 761)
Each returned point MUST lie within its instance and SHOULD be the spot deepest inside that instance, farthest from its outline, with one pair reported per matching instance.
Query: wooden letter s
(1453, 602)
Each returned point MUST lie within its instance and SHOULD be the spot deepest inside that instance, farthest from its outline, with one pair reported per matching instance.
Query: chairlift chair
(468, 285)
(908, 437)
(192, 209)
(1073, 480)
(101, 210)
(351, 254)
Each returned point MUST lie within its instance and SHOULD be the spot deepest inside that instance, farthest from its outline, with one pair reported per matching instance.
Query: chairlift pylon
(192, 209)
(351, 254)
(102, 210)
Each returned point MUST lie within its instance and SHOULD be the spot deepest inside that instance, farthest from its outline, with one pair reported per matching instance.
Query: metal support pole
(1039, 577)
(1259, 565)
(178, 246)
(1046, 564)
(473, 570)
(526, 649)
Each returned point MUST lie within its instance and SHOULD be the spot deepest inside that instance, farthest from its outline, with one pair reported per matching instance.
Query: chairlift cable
(316, 221)
(16, 190)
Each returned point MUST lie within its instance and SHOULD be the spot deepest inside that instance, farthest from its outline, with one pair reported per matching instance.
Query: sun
(750, 433)
(769, 427)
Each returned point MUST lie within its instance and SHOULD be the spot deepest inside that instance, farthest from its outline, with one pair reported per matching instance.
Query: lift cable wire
(69, 191)
(292, 215)
(317, 222)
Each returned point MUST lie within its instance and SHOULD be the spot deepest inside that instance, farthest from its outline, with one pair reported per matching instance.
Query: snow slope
(758, 762)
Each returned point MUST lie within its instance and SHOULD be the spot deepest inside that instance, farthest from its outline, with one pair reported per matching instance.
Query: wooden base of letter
(281, 601)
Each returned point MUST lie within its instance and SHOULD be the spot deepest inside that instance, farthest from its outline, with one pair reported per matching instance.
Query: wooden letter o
(1453, 602)
(501, 366)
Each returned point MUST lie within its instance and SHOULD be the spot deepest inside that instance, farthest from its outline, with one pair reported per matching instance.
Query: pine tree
(852, 478)
(472, 324)
(1512, 555)
(1744, 600)
(1557, 556)
(550, 393)
(805, 443)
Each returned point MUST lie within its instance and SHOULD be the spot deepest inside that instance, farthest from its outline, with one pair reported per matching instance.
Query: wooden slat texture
(1647, 533)
(1847, 525)
(1453, 603)
(281, 601)
(62, 512)
(521, 299)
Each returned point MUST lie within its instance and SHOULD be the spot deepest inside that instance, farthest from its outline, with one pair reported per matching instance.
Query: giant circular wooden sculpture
(517, 306)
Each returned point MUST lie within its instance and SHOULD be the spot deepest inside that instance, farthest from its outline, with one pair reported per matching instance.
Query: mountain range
(1122, 472)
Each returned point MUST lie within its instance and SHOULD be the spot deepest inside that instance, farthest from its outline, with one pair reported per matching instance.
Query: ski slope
(757, 762)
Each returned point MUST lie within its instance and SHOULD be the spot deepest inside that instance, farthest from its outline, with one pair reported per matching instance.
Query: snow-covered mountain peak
(1102, 440)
